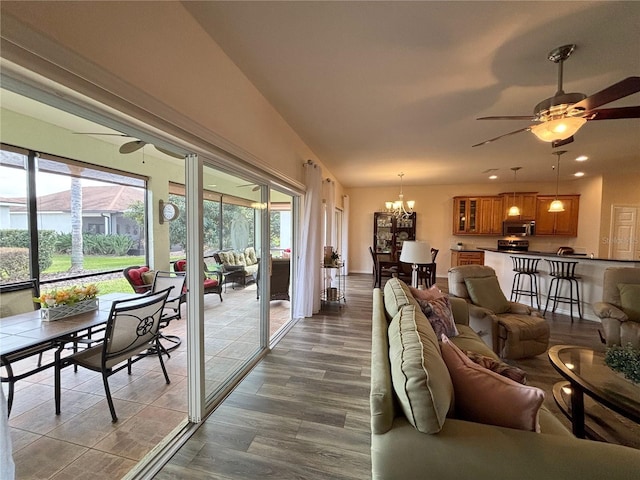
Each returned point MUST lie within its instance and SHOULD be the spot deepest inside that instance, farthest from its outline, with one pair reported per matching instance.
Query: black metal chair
(563, 271)
(525, 268)
(132, 329)
(17, 298)
(178, 295)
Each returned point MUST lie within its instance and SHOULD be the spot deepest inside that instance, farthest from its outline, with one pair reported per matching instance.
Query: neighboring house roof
(116, 198)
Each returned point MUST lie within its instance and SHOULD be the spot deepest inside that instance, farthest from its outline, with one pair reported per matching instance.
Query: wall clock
(168, 211)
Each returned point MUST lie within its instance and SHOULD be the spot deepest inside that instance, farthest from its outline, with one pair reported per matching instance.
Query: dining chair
(380, 271)
(178, 295)
(17, 298)
(133, 327)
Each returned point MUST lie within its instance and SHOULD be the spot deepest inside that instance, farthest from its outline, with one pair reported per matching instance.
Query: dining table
(28, 334)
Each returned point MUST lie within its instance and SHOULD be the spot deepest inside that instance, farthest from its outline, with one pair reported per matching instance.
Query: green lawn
(62, 263)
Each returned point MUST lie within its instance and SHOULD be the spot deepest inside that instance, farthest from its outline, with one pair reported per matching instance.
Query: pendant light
(514, 211)
(556, 205)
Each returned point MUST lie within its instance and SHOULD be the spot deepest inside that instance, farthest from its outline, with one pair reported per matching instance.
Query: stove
(513, 245)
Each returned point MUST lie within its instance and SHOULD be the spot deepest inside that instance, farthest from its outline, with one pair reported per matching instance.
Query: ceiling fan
(559, 117)
(134, 145)
(254, 189)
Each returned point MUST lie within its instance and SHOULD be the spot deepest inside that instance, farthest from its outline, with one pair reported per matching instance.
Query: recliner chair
(513, 330)
(619, 310)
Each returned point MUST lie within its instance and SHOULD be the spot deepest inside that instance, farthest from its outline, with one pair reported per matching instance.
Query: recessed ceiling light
(578, 174)
(493, 177)
(582, 158)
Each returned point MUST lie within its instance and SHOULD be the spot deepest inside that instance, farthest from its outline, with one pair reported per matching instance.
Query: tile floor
(83, 438)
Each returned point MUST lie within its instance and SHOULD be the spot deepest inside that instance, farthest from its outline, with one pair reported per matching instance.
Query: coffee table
(587, 374)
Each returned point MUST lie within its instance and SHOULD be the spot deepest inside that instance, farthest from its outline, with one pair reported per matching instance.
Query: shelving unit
(333, 289)
(389, 233)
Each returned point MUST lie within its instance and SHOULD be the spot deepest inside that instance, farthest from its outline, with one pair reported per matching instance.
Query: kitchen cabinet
(562, 224)
(491, 215)
(467, 257)
(525, 201)
(465, 215)
(480, 215)
(390, 232)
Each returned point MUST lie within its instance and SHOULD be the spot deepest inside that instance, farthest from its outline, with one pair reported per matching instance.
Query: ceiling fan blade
(505, 135)
(560, 143)
(169, 152)
(623, 88)
(613, 113)
(131, 147)
(510, 117)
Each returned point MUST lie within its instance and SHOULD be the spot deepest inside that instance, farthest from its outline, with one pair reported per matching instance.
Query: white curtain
(329, 198)
(345, 233)
(308, 280)
(7, 467)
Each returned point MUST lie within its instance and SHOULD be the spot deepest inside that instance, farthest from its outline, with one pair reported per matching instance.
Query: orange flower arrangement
(67, 296)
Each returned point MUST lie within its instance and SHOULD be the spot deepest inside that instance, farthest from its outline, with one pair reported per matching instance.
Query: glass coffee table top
(587, 373)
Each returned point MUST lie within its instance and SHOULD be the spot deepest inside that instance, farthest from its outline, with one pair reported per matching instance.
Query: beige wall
(617, 190)
(434, 205)
(169, 67)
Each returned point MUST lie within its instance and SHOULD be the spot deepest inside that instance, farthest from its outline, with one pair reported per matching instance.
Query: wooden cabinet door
(563, 224)
(490, 210)
(466, 258)
(525, 201)
(465, 215)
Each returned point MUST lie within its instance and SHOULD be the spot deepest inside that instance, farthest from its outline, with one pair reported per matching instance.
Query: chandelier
(397, 208)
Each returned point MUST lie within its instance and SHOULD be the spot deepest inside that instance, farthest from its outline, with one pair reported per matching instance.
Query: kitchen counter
(576, 256)
(590, 270)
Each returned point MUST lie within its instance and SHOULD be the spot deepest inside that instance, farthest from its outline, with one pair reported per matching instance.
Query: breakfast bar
(591, 271)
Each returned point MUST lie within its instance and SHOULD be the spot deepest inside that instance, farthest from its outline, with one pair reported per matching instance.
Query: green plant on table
(67, 296)
(625, 360)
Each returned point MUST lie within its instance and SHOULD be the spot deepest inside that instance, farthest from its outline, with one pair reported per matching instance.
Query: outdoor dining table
(27, 334)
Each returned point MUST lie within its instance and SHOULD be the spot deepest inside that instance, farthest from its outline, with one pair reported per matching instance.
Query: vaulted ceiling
(375, 88)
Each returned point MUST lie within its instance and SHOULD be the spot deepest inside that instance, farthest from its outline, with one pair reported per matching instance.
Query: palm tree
(77, 258)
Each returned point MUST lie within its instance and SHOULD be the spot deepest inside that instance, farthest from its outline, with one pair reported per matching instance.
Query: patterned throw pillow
(514, 373)
(438, 312)
(429, 294)
(240, 260)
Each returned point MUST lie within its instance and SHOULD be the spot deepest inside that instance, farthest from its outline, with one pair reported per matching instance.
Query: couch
(464, 449)
(238, 267)
(619, 310)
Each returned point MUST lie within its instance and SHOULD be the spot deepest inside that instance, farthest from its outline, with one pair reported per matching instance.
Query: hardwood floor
(303, 412)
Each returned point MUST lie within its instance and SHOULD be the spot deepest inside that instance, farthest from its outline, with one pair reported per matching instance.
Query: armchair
(279, 278)
(619, 310)
(513, 330)
(212, 279)
(140, 278)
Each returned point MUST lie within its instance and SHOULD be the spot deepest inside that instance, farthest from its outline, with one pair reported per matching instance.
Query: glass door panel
(280, 274)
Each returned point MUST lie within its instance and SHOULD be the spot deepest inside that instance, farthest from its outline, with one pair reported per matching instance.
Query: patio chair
(132, 329)
(140, 278)
(17, 298)
(212, 278)
(178, 295)
(279, 279)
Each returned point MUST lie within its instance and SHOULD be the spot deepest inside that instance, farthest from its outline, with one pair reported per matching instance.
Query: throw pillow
(485, 292)
(418, 373)
(438, 312)
(227, 258)
(485, 397)
(250, 256)
(630, 300)
(240, 260)
(148, 277)
(514, 373)
(429, 294)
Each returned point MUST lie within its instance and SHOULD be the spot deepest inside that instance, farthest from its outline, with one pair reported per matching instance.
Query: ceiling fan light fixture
(559, 129)
(557, 205)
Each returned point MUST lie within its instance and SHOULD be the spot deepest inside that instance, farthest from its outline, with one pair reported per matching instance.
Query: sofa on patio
(238, 266)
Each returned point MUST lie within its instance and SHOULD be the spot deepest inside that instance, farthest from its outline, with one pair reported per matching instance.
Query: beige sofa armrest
(607, 310)
(460, 310)
(479, 312)
(467, 450)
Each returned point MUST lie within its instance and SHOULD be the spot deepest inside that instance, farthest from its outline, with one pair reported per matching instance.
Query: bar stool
(525, 268)
(562, 270)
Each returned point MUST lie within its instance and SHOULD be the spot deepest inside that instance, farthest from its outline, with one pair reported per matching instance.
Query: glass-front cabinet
(465, 215)
(390, 232)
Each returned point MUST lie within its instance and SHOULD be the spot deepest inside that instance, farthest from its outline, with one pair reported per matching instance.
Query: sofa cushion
(484, 396)
(250, 256)
(227, 258)
(240, 259)
(396, 296)
(419, 375)
(438, 312)
(630, 300)
(514, 373)
(468, 340)
(486, 292)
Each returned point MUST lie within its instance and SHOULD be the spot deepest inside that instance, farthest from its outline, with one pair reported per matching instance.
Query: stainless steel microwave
(518, 228)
